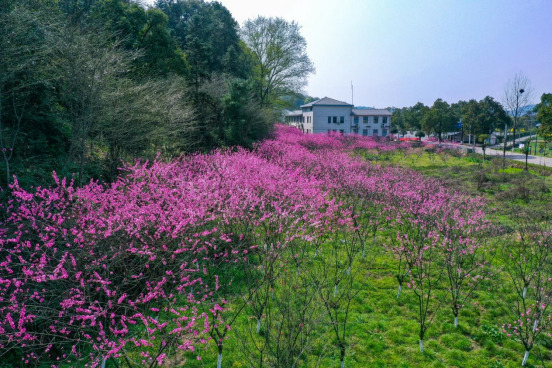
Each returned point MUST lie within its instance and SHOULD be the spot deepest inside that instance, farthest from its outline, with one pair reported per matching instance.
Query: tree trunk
(525, 358)
(421, 346)
(455, 321)
(219, 361)
(342, 355)
(399, 292)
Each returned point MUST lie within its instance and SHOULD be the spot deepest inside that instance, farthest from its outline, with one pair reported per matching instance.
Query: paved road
(537, 160)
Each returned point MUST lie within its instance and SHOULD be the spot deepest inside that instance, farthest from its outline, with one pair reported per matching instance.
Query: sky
(399, 52)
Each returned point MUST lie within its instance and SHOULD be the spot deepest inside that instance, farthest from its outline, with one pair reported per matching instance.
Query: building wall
(372, 128)
(308, 122)
(321, 114)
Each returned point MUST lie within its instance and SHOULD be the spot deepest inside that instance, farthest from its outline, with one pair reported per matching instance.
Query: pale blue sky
(399, 52)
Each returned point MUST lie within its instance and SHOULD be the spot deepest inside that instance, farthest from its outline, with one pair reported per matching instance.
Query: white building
(331, 116)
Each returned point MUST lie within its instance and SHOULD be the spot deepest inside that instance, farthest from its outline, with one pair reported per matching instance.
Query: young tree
(336, 283)
(281, 61)
(527, 261)
(462, 231)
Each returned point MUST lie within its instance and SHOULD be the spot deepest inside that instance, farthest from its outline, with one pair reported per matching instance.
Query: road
(537, 160)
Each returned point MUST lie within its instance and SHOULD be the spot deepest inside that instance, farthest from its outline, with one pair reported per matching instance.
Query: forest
(85, 84)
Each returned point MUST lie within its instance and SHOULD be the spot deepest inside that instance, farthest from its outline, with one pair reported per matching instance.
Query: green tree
(544, 115)
(470, 118)
(399, 120)
(244, 120)
(280, 56)
(31, 136)
(484, 116)
(208, 35)
(415, 115)
(145, 30)
(438, 119)
(492, 116)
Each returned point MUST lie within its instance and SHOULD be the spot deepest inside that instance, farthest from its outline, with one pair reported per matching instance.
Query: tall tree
(25, 89)
(518, 93)
(280, 55)
(208, 35)
(144, 30)
(458, 110)
(415, 116)
(492, 116)
(438, 119)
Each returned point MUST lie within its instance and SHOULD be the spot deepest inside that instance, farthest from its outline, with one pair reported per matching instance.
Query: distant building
(327, 115)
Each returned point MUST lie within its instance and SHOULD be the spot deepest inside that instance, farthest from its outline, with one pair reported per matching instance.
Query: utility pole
(504, 149)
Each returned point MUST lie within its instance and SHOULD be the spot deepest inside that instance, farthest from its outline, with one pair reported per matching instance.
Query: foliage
(544, 115)
(439, 119)
(281, 63)
(85, 84)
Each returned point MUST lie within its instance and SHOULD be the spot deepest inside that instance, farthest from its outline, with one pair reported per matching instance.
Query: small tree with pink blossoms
(528, 265)
(414, 216)
(337, 284)
(426, 274)
(264, 211)
(462, 234)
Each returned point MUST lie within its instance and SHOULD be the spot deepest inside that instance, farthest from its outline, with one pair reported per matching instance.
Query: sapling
(337, 288)
(463, 231)
(527, 263)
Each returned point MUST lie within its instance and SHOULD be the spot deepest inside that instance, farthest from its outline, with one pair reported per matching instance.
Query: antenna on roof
(352, 94)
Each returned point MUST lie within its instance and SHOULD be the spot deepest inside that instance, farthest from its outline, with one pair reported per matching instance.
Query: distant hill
(293, 102)
(523, 110)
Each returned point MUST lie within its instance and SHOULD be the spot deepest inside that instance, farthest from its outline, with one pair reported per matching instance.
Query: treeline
(85, 84)
(476, 118)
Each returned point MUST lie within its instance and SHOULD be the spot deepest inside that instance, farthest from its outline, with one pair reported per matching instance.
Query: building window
(384, 132)
(375, 134)
(365, 132)
(365, 120)
(342, 120)
(356, 119)
(376, 119)
(341, 131)
(384, 120)
(329, 119)
(335, 119)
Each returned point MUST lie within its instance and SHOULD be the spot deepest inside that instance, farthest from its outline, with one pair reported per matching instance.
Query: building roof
(326, 101)
(371, 112)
